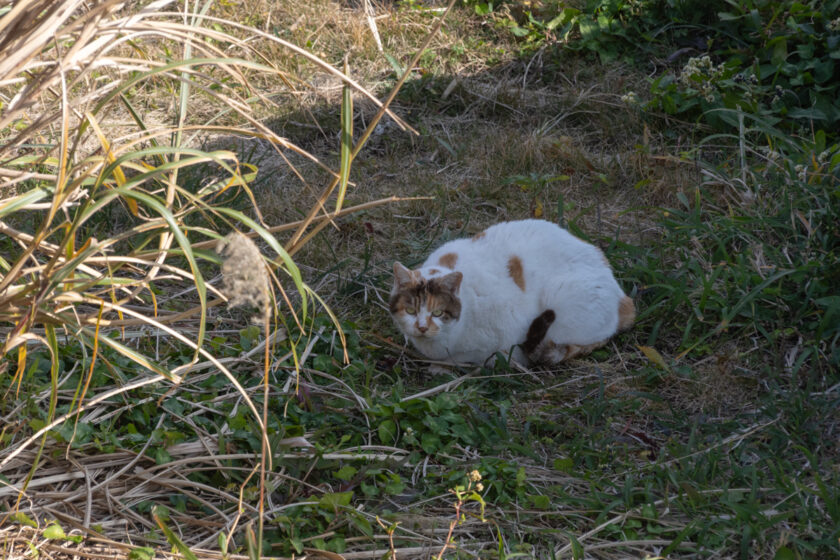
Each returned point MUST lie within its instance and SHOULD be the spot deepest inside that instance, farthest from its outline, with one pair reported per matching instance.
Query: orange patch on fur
(434, 271)
(448, 260)
(479, 235)
(515, 271)
(626, 313)
(575, 351)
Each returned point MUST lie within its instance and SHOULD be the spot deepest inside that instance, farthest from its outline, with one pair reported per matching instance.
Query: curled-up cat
(529, 287)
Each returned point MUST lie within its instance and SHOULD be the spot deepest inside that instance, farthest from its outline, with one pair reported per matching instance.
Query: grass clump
(740, 265)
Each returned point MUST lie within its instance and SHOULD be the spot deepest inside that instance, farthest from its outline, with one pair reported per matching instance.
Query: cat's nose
(422, 328)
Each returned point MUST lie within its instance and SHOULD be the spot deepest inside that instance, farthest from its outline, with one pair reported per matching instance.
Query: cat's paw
(437, 369)
(554, 353)
(548, 353)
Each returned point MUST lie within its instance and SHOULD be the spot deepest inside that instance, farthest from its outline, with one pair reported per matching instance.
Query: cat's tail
(626, 314)
(537, 331)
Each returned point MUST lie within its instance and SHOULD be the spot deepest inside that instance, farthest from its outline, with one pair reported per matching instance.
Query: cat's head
(425, 302)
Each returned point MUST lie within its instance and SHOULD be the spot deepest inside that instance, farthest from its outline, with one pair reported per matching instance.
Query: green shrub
(776, 60)
(779, 61)
(763, 269)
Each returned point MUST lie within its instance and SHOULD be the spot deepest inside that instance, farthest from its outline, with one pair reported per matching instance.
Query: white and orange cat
(528, 287)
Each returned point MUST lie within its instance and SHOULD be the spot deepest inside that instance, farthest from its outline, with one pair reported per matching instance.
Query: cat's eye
(411, 311)
(437, 312)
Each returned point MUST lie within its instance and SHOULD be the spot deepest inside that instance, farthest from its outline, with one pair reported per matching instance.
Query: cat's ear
(452, 282)
(402, 275)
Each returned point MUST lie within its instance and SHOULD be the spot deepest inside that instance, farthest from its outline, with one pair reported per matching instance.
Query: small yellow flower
(475, 476)
(479, 487)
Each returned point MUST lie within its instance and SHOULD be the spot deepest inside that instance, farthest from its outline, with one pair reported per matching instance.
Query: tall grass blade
(346, 140)
(173, 539)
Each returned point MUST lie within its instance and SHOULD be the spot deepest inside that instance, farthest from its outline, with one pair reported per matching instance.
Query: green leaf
(54, 532)
(648, 511)
(11, 205)
(566, 464)
(521, 476)
(346, 472)
(142, 553)
(335, 500)
(346, 141)
(779, 51)
(394, 64)
(161, 516)
(223, 543)
(430, 443)
(539, 501)
(577, 548)
(362, 524)
(248, 337)
(483, 8)
(162, 456)
(784, 553)
(388, 432)
(395, 485)
(23, 519)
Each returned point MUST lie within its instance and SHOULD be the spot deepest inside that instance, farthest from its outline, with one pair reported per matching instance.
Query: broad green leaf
(55, 532)
(387, 432)
(362, 524)
(346, 472)
(23, 519)
(540, 501)
(784, 553)
(335, 500)
(142, 553)
(566, 464)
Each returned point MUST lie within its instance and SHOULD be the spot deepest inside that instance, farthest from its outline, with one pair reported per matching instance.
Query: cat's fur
(529, 287)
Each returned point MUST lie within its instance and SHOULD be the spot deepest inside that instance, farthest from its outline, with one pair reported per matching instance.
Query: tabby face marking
(514, 267)
(448, 260)
(425, 307)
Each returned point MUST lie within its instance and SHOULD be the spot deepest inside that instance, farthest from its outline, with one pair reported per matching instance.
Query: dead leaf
(654, 356)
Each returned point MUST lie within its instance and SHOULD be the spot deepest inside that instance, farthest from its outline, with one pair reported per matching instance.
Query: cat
(528, 289)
